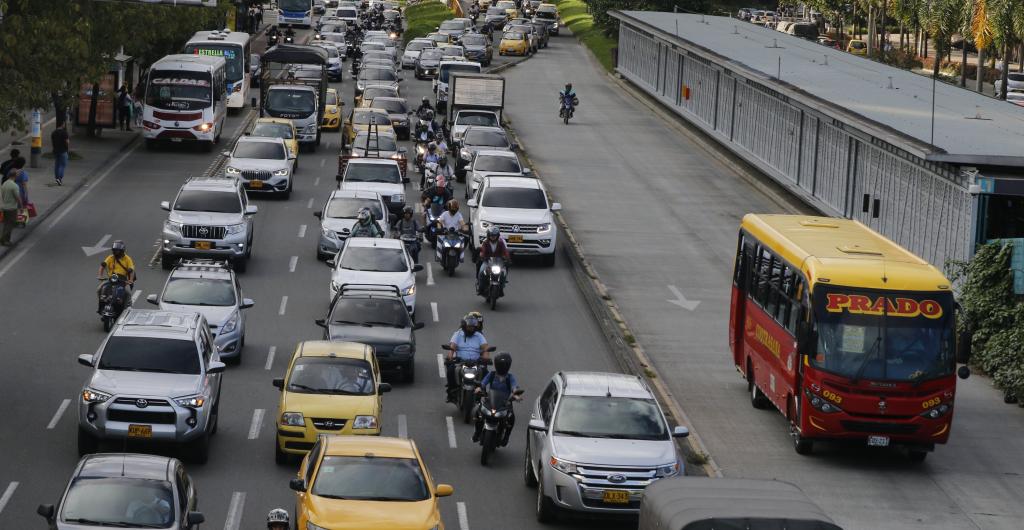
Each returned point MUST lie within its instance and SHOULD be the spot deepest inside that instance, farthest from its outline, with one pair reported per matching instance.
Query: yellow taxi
(278, 128)
(440, 39)
(857, 47)
(514, 43)
(509, 7)
(355, 482)
(360, 119)
(332, 111)
(330, 388)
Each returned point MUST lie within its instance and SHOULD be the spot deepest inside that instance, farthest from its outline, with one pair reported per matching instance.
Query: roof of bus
(843, 252)
(183, 61)
(231, 37)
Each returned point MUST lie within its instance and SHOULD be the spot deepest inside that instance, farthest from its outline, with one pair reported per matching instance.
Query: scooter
(433, 214)
(114, 299)
(450, 250)
(496, 414)
(495, 278)
(412, 245)
(468, 375)
(567, 107)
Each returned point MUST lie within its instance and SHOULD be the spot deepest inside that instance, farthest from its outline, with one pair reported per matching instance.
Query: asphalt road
(49, 318)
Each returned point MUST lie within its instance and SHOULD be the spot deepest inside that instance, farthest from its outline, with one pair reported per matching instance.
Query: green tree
(940, 19)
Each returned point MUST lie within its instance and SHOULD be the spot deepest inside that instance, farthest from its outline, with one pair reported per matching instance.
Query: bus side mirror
(963, 347)
(806, 338)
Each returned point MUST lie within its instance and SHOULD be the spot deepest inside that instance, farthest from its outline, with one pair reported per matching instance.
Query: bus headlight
(820, 403)
(204, 127)
(937, 412)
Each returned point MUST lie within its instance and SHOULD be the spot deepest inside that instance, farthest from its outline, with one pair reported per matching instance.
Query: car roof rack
(373, 288)
(202, 264)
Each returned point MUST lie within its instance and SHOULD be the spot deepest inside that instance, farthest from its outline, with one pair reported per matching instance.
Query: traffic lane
(683, 209)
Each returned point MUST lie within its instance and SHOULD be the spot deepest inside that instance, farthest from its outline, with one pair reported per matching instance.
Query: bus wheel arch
(757, 398)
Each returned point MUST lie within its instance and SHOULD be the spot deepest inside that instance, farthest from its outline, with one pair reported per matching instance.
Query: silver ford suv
(209, 218)
(156, 377)
(594, 442)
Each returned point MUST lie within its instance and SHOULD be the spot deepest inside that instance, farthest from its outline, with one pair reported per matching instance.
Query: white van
(185, 101)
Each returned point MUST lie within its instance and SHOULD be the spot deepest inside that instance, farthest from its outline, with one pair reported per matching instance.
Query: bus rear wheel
(757, 398)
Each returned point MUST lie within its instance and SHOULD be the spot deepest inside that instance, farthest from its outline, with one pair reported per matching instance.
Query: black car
(496, 16)
(476, 138)
(478, 48)
(375, 315)
(427, 63)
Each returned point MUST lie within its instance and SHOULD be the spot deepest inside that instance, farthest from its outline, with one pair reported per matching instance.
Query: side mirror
(527, 171)
(680, 432)
(297, 484)
(383, 387)
(405, 180)
(86, 359)
(444, 490)
(247, 303)
(225, 153)
(152, 299)
(466, 156)
(332, 263)
(165, 205)
(417, 267)
(194, 518)
(46, 510)
(556, 207)
(215, 367)
(514, 146)
(318, 215)
(471, 203)
(251, 209)
(278, 383)
(321, 322)
(537, 425)
(418, 325)
(963, 372)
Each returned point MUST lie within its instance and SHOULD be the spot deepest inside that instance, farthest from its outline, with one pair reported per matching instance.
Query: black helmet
(431, 146)
(502, 363)
(426, 100)
(568, 87)
(443, 161)
(117, 248)
(407, 210)
(493, 232)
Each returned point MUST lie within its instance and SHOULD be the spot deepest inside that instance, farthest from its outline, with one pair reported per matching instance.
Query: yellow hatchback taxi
(330, 388)
(360, 119)
(332, 111)
(356, 482)
(278, 128)
(509, 7)
(514, 43)
(857, 47)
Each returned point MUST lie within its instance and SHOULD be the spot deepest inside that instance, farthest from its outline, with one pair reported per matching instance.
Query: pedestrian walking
(6, 165)
(10, 203)
(20, 178)
(259, 18)
(124, 108)
(61, 150)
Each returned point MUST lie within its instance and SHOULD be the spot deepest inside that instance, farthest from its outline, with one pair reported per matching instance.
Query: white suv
(263, 164)
(519, 207)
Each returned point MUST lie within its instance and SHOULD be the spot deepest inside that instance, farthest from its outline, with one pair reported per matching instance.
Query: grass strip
(423, 17)
(574, 16)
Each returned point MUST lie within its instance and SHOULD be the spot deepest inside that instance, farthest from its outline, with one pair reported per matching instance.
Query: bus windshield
(884, 335)
(179, 90)
(295, 5)
(232, 53)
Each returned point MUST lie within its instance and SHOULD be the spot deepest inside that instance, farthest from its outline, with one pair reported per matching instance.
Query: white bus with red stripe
(233, 46)
(185, 100)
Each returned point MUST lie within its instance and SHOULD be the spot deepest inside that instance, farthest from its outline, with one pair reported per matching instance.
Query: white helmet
(277, 516)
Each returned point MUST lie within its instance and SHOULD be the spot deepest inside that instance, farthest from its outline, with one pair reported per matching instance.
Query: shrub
(423, 18)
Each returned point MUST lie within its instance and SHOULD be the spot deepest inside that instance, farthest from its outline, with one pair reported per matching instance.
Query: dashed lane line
(440, 366)
(322, 162)
(463, 516)
(284, 305)
(316, 181)
(403, 426)
(310, 203)
(235, 509)
(302, 231)
(8, 493)
(451, 432)
(257, 422)
(270, 358)
(135, 296)
(156, 254)
(430, 274)
(292, 263)
(60, 412)
(433, 311)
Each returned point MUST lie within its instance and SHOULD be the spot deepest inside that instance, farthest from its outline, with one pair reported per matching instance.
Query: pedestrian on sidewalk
(61, 150)
(6, 165)
(124, 108)
(10, 203)
(20, 178)
(259, 18)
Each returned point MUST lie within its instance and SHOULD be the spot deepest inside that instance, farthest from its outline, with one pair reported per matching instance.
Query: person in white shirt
(452, 217)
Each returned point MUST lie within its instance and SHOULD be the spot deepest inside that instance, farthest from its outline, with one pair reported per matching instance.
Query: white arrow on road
(681, 300)
(98, 248)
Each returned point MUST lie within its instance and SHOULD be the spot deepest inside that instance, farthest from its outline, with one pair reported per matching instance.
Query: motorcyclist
(493, 247)
(439, 194)
(424, 105)
(466, 344)
(365, 226)
(433, 154)
(289, 35)
(278, 519)
(444, 170)
(118, 265)
(452, 218)
(504, 382)
(568, 95)
(407, 226)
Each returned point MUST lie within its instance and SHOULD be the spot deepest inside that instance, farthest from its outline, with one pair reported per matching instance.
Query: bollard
(37, 138)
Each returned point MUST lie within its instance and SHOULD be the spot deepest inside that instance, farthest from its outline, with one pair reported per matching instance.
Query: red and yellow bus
(846, 333)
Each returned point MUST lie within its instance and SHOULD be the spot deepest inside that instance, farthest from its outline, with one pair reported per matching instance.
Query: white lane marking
(463, 517)
(60, 412)
(135, 296)
(284, 305)
(235, 511)
(403, 426)
(292, 263)
(74, 202)
(451, 432)
(302, 231)
(322, 162)
(681, 300)
(433, 311)
(430, 274)
(98, 248)
(440, 366)
(270, 358)
(316, 182)
(8, 493)
(310, 203)
(257, 422)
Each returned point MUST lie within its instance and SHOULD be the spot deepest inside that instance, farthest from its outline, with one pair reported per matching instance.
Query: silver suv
(209, 218)
(211, 289)
(594, 442)
(156, 377)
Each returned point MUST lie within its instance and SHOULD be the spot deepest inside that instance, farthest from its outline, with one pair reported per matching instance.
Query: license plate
(616, 497)
(202, 245)
(256, 184)
(140, 431)
(878, 441)
(175, 139)
(515, 239)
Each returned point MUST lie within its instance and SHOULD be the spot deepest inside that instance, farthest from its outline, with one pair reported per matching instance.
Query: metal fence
(832, 165)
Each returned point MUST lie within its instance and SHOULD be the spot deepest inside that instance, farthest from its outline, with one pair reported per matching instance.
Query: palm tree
(940, 19)
(999, 23)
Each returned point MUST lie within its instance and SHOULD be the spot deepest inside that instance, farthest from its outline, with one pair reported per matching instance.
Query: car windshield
(448, 69)
(330, 375)
(372, 46)
(294, 103)
(548, 15)
(370, 478)
(376, 143)
(610, 417)
(526, 198)
(272, 130)
(1015, 77)
(454, 51)
(377, 74)
(367, 117)
(208, 201)
(260, 150)
(393, 106)
(495, 11)
(506, 5)
(373, 259)
(348, 208)
(199, 291)
(485, 119)
(382, 55)
(119, 502)
(474, 40)
(378, 91)
(503, 164)
(332, 52)
(332, 98)
(418, 45)
(346, 12)
(431, 54)
(486, 138)
(334, 37)
(150, 354)
(386, 173)
(381, 312)
(452, 24)
(901, 336)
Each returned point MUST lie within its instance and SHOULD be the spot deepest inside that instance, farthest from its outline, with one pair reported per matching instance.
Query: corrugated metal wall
(924, 206)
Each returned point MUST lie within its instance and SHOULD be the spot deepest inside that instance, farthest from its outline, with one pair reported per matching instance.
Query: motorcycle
(496, 414)
(356, 63)
(412, 245)
(495, 277)
(450, 250)
(114, 299)
(567, 107)
(289, 37)
(468, 375)
(433, 214)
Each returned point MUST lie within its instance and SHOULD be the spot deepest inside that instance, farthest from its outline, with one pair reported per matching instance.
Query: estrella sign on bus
(900, 307)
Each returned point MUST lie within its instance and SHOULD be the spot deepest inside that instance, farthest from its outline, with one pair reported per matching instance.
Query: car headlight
(667, 471)
(235, 229)
(172, 227)
(94, 396)
(398, 197)
(365, 422)
(281, 173)
(544, 227)
(232, 171)
(293, 419)
(230, 324)
(495, 269)
(568, 468)
(193, 402)
(311, 526)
